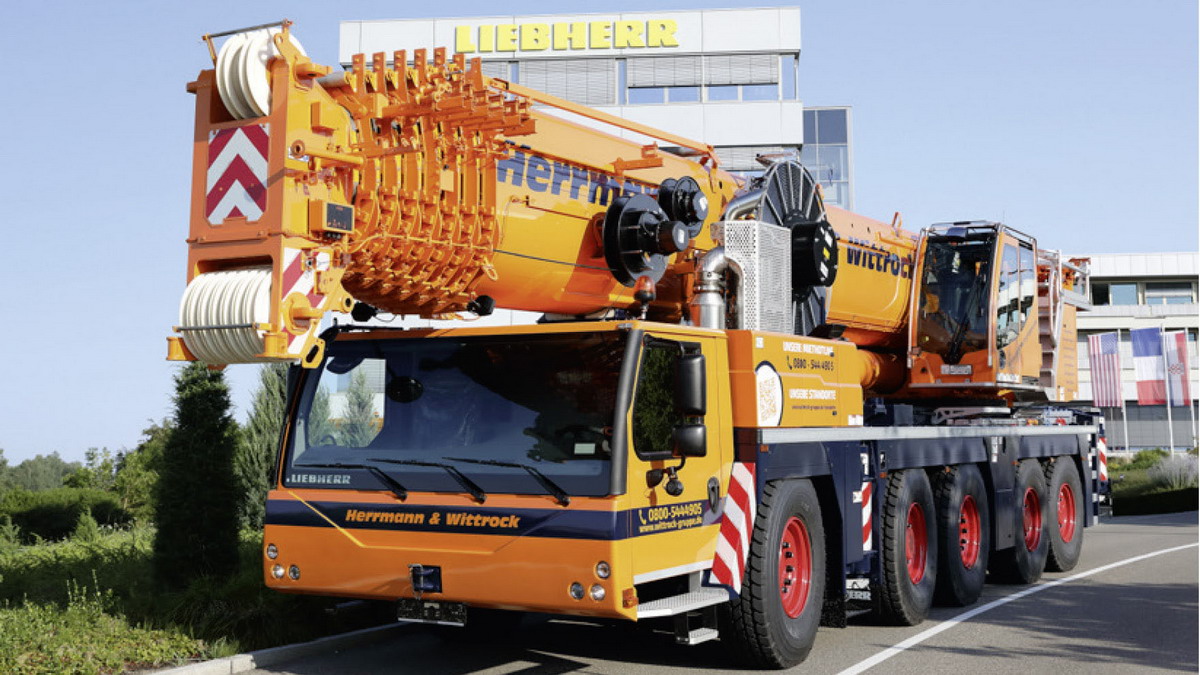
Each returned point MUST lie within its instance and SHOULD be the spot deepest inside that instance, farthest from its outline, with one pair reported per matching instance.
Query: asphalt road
(1109, 615)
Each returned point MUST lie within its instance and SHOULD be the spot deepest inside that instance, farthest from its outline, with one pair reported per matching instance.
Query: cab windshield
(488, 407)
(953, 308)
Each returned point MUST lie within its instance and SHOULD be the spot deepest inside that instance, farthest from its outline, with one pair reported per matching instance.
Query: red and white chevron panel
(737, 524)
(237, 173)
(1102, 457)
(299, 279)
(867, 494)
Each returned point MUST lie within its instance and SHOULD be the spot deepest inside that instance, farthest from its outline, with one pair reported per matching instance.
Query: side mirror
(691, 440)
(690, 386)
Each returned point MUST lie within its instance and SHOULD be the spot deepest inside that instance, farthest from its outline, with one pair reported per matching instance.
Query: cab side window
(654, 413)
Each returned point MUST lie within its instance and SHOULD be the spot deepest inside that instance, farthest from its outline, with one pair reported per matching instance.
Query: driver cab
(974, 313)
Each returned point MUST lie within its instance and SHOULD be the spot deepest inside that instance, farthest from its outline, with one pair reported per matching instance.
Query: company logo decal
(535, 37)
(864, 254)
(539, 174)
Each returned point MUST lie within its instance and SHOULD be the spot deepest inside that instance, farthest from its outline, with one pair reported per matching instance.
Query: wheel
(774, 620)
(910, 550)
(1066, 505)
(963, 526)
(1024, 562)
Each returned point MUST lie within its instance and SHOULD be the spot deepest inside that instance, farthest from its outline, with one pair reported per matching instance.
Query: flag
(1105, 361)
(1148, 364)
(1176, 351)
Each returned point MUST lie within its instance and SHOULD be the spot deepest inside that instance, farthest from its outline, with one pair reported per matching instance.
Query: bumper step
(681, 604)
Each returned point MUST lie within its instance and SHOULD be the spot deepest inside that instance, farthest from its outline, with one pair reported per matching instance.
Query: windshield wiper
(954, 349)
(393, 484)
(466, 483)
(553, 488)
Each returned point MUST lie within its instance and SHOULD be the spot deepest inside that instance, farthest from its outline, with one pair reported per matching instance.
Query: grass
(49, 625)
(85, 636)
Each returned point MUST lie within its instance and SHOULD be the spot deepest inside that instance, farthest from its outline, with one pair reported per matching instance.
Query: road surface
(1131, 604)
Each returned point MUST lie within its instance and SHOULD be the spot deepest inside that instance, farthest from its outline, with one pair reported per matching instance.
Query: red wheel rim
(969, 532)
(795, 567)
(1031, 517)
(1066, 512)
(916, 543)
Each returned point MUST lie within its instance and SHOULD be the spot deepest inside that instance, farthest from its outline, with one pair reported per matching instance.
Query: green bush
(85, 636)
(1175, 472)
(87, 530)
(42, 574)
(53, 514)
(1146, 459)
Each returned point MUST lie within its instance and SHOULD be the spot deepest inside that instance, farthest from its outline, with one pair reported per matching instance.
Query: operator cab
(974, 323)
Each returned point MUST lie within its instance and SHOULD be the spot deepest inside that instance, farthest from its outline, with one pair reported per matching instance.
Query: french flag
(1149, 367)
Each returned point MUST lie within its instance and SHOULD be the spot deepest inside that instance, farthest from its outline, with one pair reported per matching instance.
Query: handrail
(592, 113)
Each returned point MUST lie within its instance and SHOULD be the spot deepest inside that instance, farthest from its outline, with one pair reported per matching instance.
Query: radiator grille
(764, 253)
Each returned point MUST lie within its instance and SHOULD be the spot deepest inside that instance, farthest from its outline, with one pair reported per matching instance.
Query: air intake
(763, 299)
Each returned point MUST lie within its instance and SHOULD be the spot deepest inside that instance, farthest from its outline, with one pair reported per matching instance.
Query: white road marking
(950, 623)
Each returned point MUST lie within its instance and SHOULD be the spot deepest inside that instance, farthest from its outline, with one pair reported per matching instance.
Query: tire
(1065, 529)
(964, 534)
(773, 623)
(1024, 562)
(910, 550)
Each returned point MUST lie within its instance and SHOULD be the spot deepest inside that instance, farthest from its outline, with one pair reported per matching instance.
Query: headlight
(277, 571)
(577, 590)
(294, 572)
(597, 592)
(272, 552)
(603, 570)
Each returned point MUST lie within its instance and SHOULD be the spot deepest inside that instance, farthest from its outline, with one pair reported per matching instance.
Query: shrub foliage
(197, 498)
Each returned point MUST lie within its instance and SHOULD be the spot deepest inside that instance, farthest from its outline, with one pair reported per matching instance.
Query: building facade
(1143, 290)
(727, 77)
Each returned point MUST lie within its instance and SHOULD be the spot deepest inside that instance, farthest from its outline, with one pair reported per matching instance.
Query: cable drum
(220, 314)
(243, 81)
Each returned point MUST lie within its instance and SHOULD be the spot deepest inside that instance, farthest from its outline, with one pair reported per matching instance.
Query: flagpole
(1121, 392)
(1162, 344)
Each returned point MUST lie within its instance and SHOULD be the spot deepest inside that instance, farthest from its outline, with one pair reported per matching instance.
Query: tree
(98, 472)
(260, 443)
(138, 470)
(321, 430)
(361, 424)
(42, 472)
(196, 503)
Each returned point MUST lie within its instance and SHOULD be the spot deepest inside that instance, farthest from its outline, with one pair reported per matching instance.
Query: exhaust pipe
(707, 307)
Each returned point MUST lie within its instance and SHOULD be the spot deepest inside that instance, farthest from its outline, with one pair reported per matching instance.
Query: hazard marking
(298, 279)
(237, 173)
(737, 523)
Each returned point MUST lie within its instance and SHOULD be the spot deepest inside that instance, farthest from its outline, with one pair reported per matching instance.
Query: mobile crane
(742, 409)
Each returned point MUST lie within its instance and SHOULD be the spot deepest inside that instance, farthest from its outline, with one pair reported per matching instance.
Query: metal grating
(764, 253)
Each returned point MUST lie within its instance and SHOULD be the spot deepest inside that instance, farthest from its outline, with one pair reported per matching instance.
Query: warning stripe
(296, 279)
(236, 181)
(737, 522)
(866, 515)
(1102, 456)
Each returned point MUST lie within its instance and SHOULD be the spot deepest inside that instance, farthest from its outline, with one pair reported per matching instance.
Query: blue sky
(1075, 121)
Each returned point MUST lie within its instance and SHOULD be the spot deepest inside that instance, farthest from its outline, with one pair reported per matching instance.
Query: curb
(265, 658)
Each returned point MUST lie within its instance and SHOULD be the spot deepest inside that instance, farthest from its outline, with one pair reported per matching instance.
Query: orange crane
(728, 378)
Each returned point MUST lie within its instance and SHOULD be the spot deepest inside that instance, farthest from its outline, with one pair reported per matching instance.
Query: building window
(1114, 294)
(640, 95)
(1169, 293)
(725, 92)
(760, 92)
(683, 94)
(586, 81)
(788, 70)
